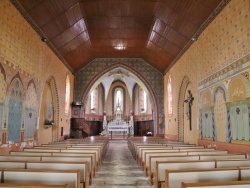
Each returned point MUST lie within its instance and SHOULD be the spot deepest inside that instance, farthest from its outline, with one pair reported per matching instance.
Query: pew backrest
(19, 158)
(70, 177)
(244, 173)
(153, 159)
(232, 163)
(82, 167)
(161, 167)
(149, 154)
(223, 156)
(13, 164)
(34, 185)
(174, 178)
(209, 152)
(31, 153)
(227, 184)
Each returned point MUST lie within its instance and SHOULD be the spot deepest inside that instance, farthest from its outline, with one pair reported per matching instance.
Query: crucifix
(189, 100)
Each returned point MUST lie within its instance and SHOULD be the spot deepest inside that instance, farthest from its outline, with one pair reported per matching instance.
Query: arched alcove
(133, 74)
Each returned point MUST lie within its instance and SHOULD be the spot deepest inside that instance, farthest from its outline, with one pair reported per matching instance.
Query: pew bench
(146, 163)
(83, 167)
(154, 159)
(162, 166)
(222, 156)
(69, 177)
(34, 185)
(226, 184)
(174, 178)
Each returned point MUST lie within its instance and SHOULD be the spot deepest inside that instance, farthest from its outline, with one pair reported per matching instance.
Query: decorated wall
(90, 73)
(26, 64)
(220, 86)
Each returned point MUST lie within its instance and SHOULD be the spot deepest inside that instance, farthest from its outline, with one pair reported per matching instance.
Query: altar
(118, 127)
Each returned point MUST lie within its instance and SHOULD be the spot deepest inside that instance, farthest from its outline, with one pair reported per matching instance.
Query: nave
(119, 169)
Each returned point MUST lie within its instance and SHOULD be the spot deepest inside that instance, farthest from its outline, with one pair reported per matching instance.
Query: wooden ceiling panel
(123, 33)
(70, 34)
(62, 22)
(49, 10)
(158, 31)
(75, 43)
(99, 33)
(30, 4)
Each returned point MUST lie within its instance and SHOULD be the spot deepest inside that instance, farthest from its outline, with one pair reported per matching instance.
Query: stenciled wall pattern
(18, 104)
(153, 76)
(225, 105)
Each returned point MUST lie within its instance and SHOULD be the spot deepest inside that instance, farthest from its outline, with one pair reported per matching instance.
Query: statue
(189, 101)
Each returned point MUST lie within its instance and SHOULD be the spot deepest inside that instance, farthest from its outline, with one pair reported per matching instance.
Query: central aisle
(119, 169)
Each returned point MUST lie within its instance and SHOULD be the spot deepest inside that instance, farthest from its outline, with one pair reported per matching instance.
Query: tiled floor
(119, 169)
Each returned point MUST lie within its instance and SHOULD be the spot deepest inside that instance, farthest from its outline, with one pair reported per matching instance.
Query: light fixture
(44, 39)
(120, 46)
(193, 39)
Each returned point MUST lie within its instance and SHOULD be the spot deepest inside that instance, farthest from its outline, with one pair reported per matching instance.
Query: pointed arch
(51, 87)
(152, 94)
(180, 110)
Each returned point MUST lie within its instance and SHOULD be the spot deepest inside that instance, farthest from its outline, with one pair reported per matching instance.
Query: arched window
(118, 99)
(92, 100)
(145, 101)
(67, 95)
(170, 96)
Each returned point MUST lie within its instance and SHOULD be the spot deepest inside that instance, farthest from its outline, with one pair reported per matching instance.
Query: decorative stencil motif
(31, 97)
(207, 124)
(31, 114)
(220, 112)
(239, 117)
(30, 123)
(15, 119)
(15, 110)
(1, 118)
(3, 87)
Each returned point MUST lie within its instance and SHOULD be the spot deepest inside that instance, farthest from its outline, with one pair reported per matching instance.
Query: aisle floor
(119, 169)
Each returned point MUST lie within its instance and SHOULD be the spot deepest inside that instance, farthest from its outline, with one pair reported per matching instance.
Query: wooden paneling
(155, 30)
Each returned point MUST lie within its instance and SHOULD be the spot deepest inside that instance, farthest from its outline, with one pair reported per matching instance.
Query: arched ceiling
(158, 31)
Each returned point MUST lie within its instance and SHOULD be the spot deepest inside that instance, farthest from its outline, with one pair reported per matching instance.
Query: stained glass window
(170, 95)
(67, 95)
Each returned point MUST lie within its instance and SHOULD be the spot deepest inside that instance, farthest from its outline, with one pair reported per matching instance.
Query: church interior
(123, 70)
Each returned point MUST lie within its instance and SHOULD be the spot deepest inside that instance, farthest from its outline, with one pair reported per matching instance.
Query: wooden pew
(70, 177)
(174, 178)
(93, 165)
(67, 158)
(78, 150)
(232, 163)
(13, 164)
(20, 158)
(162, 166)
(83, 167)
(146, 163)
(154, 159)
(209, 152)
(34, 185)
(228, 156)
(143, 152)
(226, 184)
(244, 173)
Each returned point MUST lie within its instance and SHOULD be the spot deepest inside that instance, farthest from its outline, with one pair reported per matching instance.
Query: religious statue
(189, 101)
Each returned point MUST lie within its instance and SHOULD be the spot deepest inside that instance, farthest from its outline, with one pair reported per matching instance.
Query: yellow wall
(223, 42)
(21, 50)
